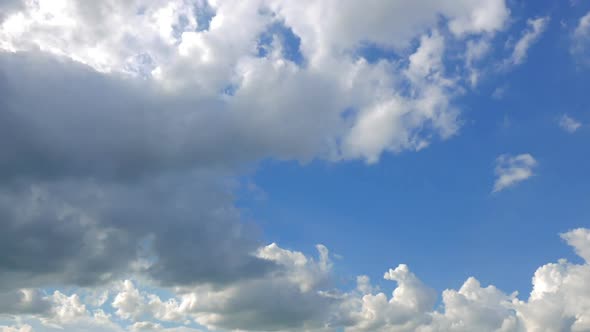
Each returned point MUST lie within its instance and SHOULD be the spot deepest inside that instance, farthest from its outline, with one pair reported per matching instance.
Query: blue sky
(279, 165)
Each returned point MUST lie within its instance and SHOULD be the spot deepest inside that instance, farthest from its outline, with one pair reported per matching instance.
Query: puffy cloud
(391, 24)
(289, 298)
(391, 123)
(474, 308)
(511, 170)
(569, 124)
(405, 311)
(23, 328)
(534, 30)
(579, 239)
(559, 301)
(54, 312)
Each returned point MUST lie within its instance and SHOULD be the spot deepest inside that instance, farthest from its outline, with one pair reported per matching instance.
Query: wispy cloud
(534, 30)
(580, 47)
(511, 170)
(569, 124)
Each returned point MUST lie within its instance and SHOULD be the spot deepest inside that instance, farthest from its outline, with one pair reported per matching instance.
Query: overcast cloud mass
(124, 125)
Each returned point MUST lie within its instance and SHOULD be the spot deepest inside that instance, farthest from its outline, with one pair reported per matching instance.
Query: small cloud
(569, 124)
(506, 122)
(499, 92)
(580, 47)
(511, 170)
(255, 192)
(534, 30)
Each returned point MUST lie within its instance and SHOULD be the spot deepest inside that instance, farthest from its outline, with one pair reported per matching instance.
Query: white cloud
(23, 328)
(391, 122)
(488, 17)
(511, 170)
(580, 47)
(534, 30)
(155, 327)
(499, 92)
(583, 28)
(569, 124)
(579, 239)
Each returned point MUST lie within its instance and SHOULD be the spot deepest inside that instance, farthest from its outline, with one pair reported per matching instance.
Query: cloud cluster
(303, 299)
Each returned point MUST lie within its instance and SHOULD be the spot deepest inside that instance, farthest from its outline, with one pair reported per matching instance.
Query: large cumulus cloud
(120, 121)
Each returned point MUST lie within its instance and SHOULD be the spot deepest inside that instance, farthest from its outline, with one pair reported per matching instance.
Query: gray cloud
(8, 6)
(24, 301)
(177, 230)
(64, 119)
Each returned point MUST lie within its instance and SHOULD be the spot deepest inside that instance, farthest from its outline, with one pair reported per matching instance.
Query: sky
(288, 165)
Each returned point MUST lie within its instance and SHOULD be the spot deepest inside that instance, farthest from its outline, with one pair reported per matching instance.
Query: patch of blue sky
(374, 53)
(289, 42)
(204, 14)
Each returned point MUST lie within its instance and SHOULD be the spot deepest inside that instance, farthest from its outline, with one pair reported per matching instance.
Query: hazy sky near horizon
(294, 165)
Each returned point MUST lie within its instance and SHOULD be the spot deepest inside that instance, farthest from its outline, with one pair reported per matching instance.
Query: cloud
(303, 299)
(9, 6)
(155, 327)
(534, 30)
(24, 301)
(381, 127)
(511, 170)
(284, 300)
(580, 47)
(579, 239)
(569, 124)
(175, 229)
(475, 52)
(500, 92)
(23, 328)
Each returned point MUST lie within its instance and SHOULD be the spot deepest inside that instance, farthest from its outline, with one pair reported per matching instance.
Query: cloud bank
(301, 298)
